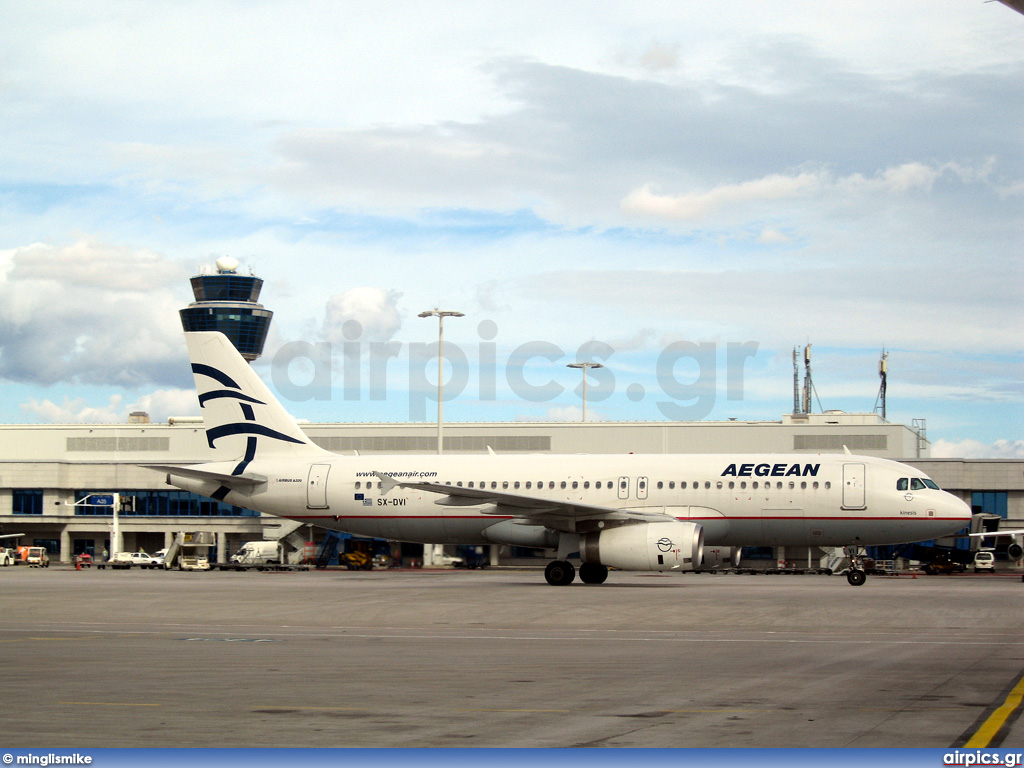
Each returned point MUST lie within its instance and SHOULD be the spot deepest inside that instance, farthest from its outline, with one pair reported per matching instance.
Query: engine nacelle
(664, 546)
(722, 557)
(1014, 550)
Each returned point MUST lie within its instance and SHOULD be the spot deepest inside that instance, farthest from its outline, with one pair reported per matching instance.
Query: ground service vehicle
(6, 556)
(128, 559)
(258, 553)
(193, 563)
(984, 561)
(34, 556)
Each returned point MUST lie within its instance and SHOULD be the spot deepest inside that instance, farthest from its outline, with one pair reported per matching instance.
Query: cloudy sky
(682, 191)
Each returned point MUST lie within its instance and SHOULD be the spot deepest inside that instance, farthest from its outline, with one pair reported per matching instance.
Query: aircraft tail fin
(242, 417)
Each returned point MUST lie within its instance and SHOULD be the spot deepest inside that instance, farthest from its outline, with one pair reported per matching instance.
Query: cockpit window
(917, 484)
(902, 484)
(931, 484)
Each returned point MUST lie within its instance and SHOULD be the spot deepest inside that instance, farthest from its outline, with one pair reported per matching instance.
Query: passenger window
(828, 485)
(575, 485)
(682, 485)
(586, 484)
(529, 484)
(551, 484)
(743, 484)
(901, 484)
(516, 485)
(718, 484)
(803, 485)
(707, 484)
(358, 485)
(731, 485)
(504, 485)
(563, 483)
(660, 485)
(672, 484)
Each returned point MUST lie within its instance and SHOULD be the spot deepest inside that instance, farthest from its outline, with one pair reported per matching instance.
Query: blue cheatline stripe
(213, 373)
(247, 428)
(215, 394)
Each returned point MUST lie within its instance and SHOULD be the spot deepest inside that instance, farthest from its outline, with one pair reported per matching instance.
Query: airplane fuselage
(738, 500)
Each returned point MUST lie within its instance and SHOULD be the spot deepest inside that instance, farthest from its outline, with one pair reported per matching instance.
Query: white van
(984, 561)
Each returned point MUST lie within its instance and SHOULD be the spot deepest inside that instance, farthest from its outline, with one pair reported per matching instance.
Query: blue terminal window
(27, 501)
(227, 288)
(166, 504)
(244, 326)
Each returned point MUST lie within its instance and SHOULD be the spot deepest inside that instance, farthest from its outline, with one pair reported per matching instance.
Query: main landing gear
(560, 573)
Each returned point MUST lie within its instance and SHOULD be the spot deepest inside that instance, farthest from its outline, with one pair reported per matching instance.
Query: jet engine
(1014, 550)
(645, 546)
(722, 557)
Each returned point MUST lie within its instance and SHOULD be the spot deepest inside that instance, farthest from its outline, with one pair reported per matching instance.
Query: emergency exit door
(316, 488)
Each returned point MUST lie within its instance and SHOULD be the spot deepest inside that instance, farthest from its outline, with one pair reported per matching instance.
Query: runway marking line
(513, 710)
(993, 724)
(108, 704)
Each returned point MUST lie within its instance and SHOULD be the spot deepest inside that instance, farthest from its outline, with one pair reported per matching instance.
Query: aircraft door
(641, 487)
(853, 486)
(316, 488)
(623, 487)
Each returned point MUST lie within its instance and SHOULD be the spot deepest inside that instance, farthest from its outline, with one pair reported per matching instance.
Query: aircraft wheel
(856, 578)
(559, 573)
(592, 573)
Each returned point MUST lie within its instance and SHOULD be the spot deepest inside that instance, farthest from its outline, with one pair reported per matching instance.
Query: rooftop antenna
(796, 384)
(807, 379)
(883, 370)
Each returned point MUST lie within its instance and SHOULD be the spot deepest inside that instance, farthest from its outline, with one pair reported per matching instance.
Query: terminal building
(48, 472)
(46, 469)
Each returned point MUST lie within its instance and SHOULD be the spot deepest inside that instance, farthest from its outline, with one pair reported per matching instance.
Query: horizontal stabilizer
(231, 481)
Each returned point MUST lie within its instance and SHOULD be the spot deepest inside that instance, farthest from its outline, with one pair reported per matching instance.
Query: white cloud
(160, 405)
(373, 311)
(90, 312)
(973, 449)
(645, 201)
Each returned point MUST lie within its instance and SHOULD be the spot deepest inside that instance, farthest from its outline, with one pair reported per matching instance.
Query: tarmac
(497, 658)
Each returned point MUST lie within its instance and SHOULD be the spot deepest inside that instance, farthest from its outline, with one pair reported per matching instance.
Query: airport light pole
(440, 315)
(584, 367)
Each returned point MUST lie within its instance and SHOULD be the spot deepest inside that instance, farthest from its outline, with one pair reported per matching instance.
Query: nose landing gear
(857, 575)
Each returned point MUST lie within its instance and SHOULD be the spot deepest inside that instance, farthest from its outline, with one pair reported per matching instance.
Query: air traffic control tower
(228, 302)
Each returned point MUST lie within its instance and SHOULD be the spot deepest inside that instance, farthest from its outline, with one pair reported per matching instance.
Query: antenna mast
(883, 370)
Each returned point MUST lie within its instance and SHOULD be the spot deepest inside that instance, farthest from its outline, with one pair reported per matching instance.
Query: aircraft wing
(990, 534)
(558, 515)
(245, 480)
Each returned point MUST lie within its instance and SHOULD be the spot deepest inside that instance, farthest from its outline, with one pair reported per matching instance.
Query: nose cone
(958, 509)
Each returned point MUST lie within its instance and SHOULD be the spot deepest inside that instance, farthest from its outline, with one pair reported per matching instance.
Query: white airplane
(630, 512)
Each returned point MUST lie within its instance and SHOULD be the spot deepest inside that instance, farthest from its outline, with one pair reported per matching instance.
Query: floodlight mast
(440, 315)
(584, 367)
